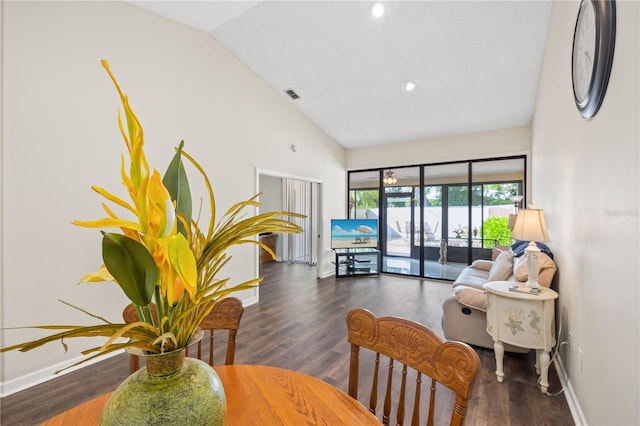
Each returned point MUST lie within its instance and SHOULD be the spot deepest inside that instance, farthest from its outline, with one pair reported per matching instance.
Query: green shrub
(496, 229)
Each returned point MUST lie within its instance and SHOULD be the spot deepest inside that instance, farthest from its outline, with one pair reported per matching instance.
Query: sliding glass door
(446, 213)
(402, 218)
(436, 219)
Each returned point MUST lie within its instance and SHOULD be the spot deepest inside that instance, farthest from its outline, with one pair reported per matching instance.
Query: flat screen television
(354, 233)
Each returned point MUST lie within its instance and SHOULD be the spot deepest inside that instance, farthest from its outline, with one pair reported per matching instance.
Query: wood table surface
(258, 394)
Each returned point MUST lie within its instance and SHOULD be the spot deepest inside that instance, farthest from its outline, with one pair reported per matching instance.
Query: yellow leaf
(113, 198)
(162, 217)
(108, 222)
(136, 135)
(182, 261)
(100, 275)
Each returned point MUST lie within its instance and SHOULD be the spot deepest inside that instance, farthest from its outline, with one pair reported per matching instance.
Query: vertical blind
(301, 196)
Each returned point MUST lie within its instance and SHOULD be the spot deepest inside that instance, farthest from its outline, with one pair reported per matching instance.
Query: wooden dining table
(258, 394)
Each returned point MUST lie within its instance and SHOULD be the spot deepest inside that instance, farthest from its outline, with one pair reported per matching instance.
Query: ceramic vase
(171, 390)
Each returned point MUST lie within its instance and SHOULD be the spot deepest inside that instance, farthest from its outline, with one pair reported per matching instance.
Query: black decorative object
(593, 46)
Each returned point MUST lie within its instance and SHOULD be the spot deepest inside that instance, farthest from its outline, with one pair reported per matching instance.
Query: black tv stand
(356, 261)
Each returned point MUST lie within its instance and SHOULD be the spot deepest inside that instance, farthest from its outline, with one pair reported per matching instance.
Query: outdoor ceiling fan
(390, 177)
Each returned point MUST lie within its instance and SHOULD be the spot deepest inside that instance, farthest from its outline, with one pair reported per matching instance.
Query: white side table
(524, 320)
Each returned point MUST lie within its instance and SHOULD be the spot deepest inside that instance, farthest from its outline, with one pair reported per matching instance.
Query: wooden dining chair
(417, 349)
(225, 315)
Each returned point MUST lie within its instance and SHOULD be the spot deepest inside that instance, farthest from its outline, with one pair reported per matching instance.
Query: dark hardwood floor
(300, 324)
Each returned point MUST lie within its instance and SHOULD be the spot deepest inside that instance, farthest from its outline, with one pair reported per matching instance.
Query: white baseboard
(572, 400)
(44, 375)
(250, 300)
(326, 273)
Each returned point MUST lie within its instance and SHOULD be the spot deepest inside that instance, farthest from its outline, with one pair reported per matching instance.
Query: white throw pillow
(502, 268)
(520, 268)
(497, 250)
(482, 264)
(545, 263)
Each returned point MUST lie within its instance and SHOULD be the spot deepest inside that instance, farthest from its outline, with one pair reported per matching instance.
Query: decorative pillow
(545, 263)
(497, 250)
(482, 264)
(502, 268)
(520, 268)
(471, 297)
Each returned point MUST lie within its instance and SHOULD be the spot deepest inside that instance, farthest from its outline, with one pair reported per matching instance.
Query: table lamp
(530, 227)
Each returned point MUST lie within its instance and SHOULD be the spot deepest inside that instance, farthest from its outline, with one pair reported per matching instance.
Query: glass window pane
(401, 245)
(500, 181)
(364, 194)
(445, 211)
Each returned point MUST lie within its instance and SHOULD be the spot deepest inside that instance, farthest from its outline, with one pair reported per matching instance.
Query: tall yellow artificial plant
(162, 256)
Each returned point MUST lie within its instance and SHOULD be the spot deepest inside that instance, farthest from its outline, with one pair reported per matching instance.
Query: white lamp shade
(530, 226)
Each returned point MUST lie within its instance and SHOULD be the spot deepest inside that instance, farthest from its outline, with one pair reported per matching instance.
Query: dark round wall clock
(594, 41)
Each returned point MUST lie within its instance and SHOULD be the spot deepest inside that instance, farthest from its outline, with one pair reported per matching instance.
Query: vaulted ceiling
(475, 64)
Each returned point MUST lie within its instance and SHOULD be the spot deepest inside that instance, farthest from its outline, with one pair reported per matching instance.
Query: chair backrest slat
(432, 402)
(401, 399)
(415, 418)
(373, 401)
(387, 394)
(452, 364)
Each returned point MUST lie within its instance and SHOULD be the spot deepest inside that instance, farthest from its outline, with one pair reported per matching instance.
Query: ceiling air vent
(292, 94)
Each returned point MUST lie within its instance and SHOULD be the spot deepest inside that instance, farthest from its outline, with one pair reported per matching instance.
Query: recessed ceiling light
(409, 86)
(377, 10)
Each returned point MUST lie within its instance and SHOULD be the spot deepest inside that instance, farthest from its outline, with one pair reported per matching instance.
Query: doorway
(282, 192)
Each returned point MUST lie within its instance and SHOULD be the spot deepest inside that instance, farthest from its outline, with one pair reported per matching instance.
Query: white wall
(271, 201)
(585, 176)
(271, 189)
(60, 136)
(493, 143)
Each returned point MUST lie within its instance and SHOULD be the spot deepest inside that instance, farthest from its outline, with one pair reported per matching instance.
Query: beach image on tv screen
(354, 233)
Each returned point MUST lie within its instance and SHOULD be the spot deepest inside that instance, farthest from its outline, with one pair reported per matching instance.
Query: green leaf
(131, 264)
(176, 182)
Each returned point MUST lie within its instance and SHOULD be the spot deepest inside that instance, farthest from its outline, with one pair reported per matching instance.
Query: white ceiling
(476, 63)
